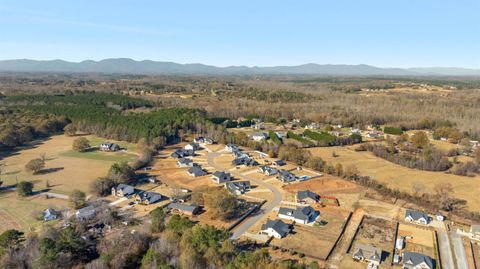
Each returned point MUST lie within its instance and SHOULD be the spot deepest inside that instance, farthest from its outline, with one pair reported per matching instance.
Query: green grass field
(101, 156)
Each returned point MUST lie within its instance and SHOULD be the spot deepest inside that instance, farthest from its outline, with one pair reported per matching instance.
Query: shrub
(25, 188)
(34, 166)
(81, 144)
(392, 130)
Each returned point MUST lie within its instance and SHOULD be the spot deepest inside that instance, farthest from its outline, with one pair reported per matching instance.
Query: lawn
(101, 156)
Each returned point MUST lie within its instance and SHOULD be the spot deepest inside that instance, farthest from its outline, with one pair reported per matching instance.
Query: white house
(276, 228)
(259, 136)
(302, 215)
(192, 146)
(414, 260)
(417, 217)
(367, 253)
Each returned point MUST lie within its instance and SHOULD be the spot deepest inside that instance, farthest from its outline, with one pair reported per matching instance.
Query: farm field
(18, 213)
(65, 170)
(396, 176)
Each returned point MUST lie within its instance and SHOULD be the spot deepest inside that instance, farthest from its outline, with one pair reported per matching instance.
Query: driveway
(263, 211)
(444, 244)
(459, 250)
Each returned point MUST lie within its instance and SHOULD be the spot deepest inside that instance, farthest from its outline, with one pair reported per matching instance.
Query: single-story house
(259, 136)
(50, 214)
(269, 171)
(181, 153)
(199, 139)
(302, 215)
(417, 217)
(190, 210)
(238, 187)
(259, 126)
(240, 154)
(231, 147)
(123, 190)
(192, 146)
(367, 253)
(244, 161)
(312, 125)
(307, 197)
(85, 213)
(221, 177)
(414, 260)
(184, 162)
(286, 176)
(276, 228)
(148, 198)
(279, 163)
(107, 146)
(196, 171)
(209, 141)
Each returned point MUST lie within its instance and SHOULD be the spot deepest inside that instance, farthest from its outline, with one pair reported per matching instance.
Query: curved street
(264, 210)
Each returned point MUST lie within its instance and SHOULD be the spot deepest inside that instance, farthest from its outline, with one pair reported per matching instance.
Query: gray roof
(185, 161)
(416, 215)
(182, 207)
(240, 186)
(151, 197)
(367, 252)
(304, 213)
(279, 162)
(277, 225)
(221, 175)
(260, 134)
(286, 175)
(414, 258)
(307, 194)
(180, 153)
(126, 189)
(196, 171)
(85, 212)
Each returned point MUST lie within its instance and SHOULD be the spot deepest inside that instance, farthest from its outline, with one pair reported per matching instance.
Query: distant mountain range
(129, 66)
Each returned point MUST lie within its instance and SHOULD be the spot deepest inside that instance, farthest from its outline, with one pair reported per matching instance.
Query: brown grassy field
(315, 241)
(422, 240)
(396, 176)
(68, 172)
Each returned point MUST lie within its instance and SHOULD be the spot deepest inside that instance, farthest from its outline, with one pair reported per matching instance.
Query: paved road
(266, 208)
(459, 250)
(444, 244)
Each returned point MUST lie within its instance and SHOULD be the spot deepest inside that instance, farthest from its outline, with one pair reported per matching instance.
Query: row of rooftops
(127, 190)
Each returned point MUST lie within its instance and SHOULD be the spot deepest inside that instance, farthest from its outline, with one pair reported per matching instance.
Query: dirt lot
(63, 172)
(422, 240)
(316, 241)
(396, 176)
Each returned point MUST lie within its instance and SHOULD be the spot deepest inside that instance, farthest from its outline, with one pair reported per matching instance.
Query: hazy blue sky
(387, 33)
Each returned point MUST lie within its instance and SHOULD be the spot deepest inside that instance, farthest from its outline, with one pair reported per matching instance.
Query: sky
(384, 33)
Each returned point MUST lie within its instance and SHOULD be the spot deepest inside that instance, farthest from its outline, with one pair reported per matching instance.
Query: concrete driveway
(459, 250)
(444, 244)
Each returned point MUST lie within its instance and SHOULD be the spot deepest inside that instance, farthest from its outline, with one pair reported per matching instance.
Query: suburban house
(302, 215)
(192, 146)
(286, 176)
(189, 210)
(123, 190)
(279, 163)
(238, 187)
(184, 162)
(417, 217)
(269, 171)
(221, 177)
(231, 148)
(209, 141)
(245, 161)
(107, 146)
(240, 154)
(414, 260)
(276, 228)
(50, 214)
(148, 198)
(181, 153)
(85, 213)
(312, 126)
(307, 197)
(259, 136)
(196, 171)
(281, 134)
(199, 139)
(367, 253)
(259, 126)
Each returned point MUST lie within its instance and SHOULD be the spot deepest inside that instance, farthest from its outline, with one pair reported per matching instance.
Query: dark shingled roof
(414, 258)
(277, 225)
